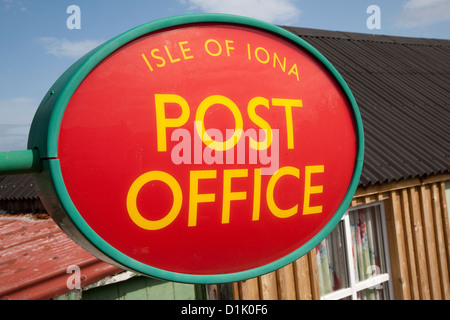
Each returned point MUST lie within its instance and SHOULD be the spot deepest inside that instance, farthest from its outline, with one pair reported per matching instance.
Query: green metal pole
(19, 162)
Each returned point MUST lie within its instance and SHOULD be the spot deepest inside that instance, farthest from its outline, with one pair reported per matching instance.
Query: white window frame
(354, 285)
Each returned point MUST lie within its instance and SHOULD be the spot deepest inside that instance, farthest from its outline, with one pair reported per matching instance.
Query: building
(398, 224)
(17, 194)
(394, 241)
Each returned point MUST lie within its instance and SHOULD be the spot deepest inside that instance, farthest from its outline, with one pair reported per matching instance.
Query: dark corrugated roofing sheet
(17, 187)
(402, 87)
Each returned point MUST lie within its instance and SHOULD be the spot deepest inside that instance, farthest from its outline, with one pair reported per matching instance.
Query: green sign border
(44, 135)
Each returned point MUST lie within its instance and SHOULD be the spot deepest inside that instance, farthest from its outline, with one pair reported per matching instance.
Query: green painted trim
(18, 162)
(51, 111)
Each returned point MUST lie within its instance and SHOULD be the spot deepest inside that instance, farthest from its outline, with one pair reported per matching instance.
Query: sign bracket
(20, 162)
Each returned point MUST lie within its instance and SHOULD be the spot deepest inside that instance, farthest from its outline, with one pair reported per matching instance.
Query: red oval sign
(209, 149)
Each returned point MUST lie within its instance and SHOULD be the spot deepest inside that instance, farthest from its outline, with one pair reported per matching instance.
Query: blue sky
(37, 46)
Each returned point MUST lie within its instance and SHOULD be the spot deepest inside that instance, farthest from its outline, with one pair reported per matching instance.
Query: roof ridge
(347, 35)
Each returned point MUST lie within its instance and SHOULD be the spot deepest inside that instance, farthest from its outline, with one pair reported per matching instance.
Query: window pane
(379, 292)
(368, 251)
(331, 261)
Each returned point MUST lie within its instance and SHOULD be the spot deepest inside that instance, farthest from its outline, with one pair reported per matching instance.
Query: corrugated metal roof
(34, 257)
(402, 87)
(17, 187)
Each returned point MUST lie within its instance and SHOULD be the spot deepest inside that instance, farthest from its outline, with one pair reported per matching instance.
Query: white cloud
(16, 115)
(411, 4)
(11, 4)
(422, 13)
(19, 110)
(66, 48)
(273, 11)
(13, 138)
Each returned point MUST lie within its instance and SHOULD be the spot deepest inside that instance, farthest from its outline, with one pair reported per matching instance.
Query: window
(352, 260)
